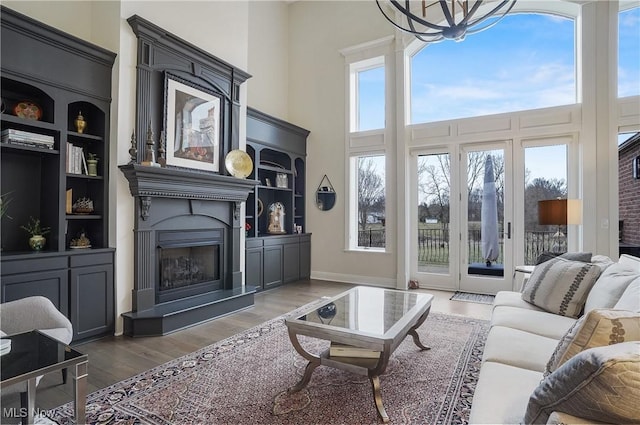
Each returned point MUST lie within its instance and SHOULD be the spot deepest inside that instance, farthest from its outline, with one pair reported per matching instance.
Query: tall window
(370, 99)
(370, 214)
(525, 62)
(629, 52)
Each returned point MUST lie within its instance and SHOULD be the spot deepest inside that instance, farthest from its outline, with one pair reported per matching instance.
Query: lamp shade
(552, 211)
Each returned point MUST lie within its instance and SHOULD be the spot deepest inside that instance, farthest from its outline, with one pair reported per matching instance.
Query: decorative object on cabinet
(133, 150)
(37, 232)
(92, 164)
(325, 194)
(81, 242)
(276, 218)
(238, 163)
(5, 200)
(80, 123)
(260, 207)
(149, 153)
(162, 143)
(83, 206)
(267, 182)
(27, 109)
(192, 119)
(282, 180)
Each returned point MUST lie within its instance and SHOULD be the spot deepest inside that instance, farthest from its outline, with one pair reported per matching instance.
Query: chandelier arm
(477, 30)
(493, 13)
(473, 11)
(407, 12)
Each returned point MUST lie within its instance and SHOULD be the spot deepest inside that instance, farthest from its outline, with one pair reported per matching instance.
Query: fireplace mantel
(145, 181)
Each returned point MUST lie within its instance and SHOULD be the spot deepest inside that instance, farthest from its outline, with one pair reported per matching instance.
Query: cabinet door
(51, 284)
(92, 300)
(291, 261)
(272, 266)
(254, 267)
(305, 259)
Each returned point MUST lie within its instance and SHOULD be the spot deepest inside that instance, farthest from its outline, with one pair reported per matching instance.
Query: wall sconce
(636, 167)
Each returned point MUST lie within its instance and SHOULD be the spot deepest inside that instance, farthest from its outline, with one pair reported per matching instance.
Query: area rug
(472, 298)
(244, 380)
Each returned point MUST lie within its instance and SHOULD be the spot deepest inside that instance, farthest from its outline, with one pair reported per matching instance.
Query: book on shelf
(28, 143)
(14, 134)
(75, 159)
(344, 350)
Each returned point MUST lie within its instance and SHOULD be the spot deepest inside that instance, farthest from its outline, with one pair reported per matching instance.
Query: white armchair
(31, 313)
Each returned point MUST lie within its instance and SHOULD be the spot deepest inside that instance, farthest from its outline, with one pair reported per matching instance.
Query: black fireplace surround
(187, 222)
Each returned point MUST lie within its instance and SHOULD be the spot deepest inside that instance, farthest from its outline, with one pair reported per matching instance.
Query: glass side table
(34, 354)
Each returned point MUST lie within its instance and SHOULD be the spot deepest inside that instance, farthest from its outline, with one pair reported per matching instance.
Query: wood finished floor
(115, 358)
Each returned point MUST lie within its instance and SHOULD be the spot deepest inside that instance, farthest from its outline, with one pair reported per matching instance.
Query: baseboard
(382, 282)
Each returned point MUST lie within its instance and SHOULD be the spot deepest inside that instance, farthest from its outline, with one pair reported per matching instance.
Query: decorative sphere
(327, 311)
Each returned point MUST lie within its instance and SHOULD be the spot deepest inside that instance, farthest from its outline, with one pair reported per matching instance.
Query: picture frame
(192, 126)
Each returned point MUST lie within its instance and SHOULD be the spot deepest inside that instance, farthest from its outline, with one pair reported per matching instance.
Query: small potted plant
(92, 164)
(37, 232)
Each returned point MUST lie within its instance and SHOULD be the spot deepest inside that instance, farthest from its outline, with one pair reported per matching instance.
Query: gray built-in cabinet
(276, 148)
(64, 76)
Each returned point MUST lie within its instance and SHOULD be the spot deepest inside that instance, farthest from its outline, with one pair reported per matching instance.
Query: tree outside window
(371, 201)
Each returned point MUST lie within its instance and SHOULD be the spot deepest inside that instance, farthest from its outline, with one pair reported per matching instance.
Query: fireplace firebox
(189, 263)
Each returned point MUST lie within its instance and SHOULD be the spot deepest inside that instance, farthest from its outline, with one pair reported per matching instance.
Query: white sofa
(523, 338)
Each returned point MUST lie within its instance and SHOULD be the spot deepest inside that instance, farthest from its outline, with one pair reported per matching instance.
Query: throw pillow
(595, 329)
(585, 257)
(600, 384)
(609, 287)
(561, 286)
(630, 298)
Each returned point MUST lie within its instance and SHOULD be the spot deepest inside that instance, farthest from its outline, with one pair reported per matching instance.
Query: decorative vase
(92, 167)
(36, 242)
(80, 123)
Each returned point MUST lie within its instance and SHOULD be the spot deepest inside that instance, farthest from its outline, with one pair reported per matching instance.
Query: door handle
(508, 230)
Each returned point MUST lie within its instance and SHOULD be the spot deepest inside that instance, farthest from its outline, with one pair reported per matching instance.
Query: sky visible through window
(525, 62)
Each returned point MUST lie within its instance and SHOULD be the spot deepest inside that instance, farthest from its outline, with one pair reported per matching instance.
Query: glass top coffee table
(34, 354)
(363, 322)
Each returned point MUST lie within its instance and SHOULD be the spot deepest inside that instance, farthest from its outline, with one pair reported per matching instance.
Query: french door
(451, 224)
(486, 217)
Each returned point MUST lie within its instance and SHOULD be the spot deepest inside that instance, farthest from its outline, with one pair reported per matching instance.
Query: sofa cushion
(631, 261)
(630, 298)
(536, 322)
(598, 384)
(561, 286)
(518, 348)
(502, 393)
(609, 287)
(513, 299)
(595, 329)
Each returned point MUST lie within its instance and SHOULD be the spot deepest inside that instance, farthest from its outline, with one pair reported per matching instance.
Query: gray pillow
(585, 257)
(599, 384)
(561, 286)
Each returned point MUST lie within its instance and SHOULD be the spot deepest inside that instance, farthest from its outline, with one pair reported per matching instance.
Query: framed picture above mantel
(192, 123)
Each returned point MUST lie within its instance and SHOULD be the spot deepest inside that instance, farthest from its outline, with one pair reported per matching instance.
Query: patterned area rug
(243, 380)
(472, 298)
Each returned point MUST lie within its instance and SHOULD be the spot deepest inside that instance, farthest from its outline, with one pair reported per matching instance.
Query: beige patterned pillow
(561, 286)
(599, 384)
(595, 329)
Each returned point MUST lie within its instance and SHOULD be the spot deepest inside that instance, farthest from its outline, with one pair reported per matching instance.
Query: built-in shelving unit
(278, 150)
(36, 180)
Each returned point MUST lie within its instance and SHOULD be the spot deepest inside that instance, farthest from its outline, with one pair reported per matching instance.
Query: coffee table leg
(80, 391)
(314, 362)
(414, 334)
(377, 397)
(31, 400)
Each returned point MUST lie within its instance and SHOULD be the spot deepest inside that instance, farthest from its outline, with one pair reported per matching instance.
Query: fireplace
(190, 263)
(187, 248)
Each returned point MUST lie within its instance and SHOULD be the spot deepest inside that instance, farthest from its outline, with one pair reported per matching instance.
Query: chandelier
(453, 20)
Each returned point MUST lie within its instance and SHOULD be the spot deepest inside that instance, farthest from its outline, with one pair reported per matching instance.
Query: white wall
(268, 58)
(318, 31)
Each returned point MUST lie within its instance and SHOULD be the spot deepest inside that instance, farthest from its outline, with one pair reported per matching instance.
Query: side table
(34, 354)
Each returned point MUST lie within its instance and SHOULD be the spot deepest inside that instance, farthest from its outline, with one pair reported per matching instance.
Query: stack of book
(76, 162)
(25, 138)
(343, 350)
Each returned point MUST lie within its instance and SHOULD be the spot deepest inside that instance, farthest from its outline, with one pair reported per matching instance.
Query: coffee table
(34, 354)
(374, 319)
